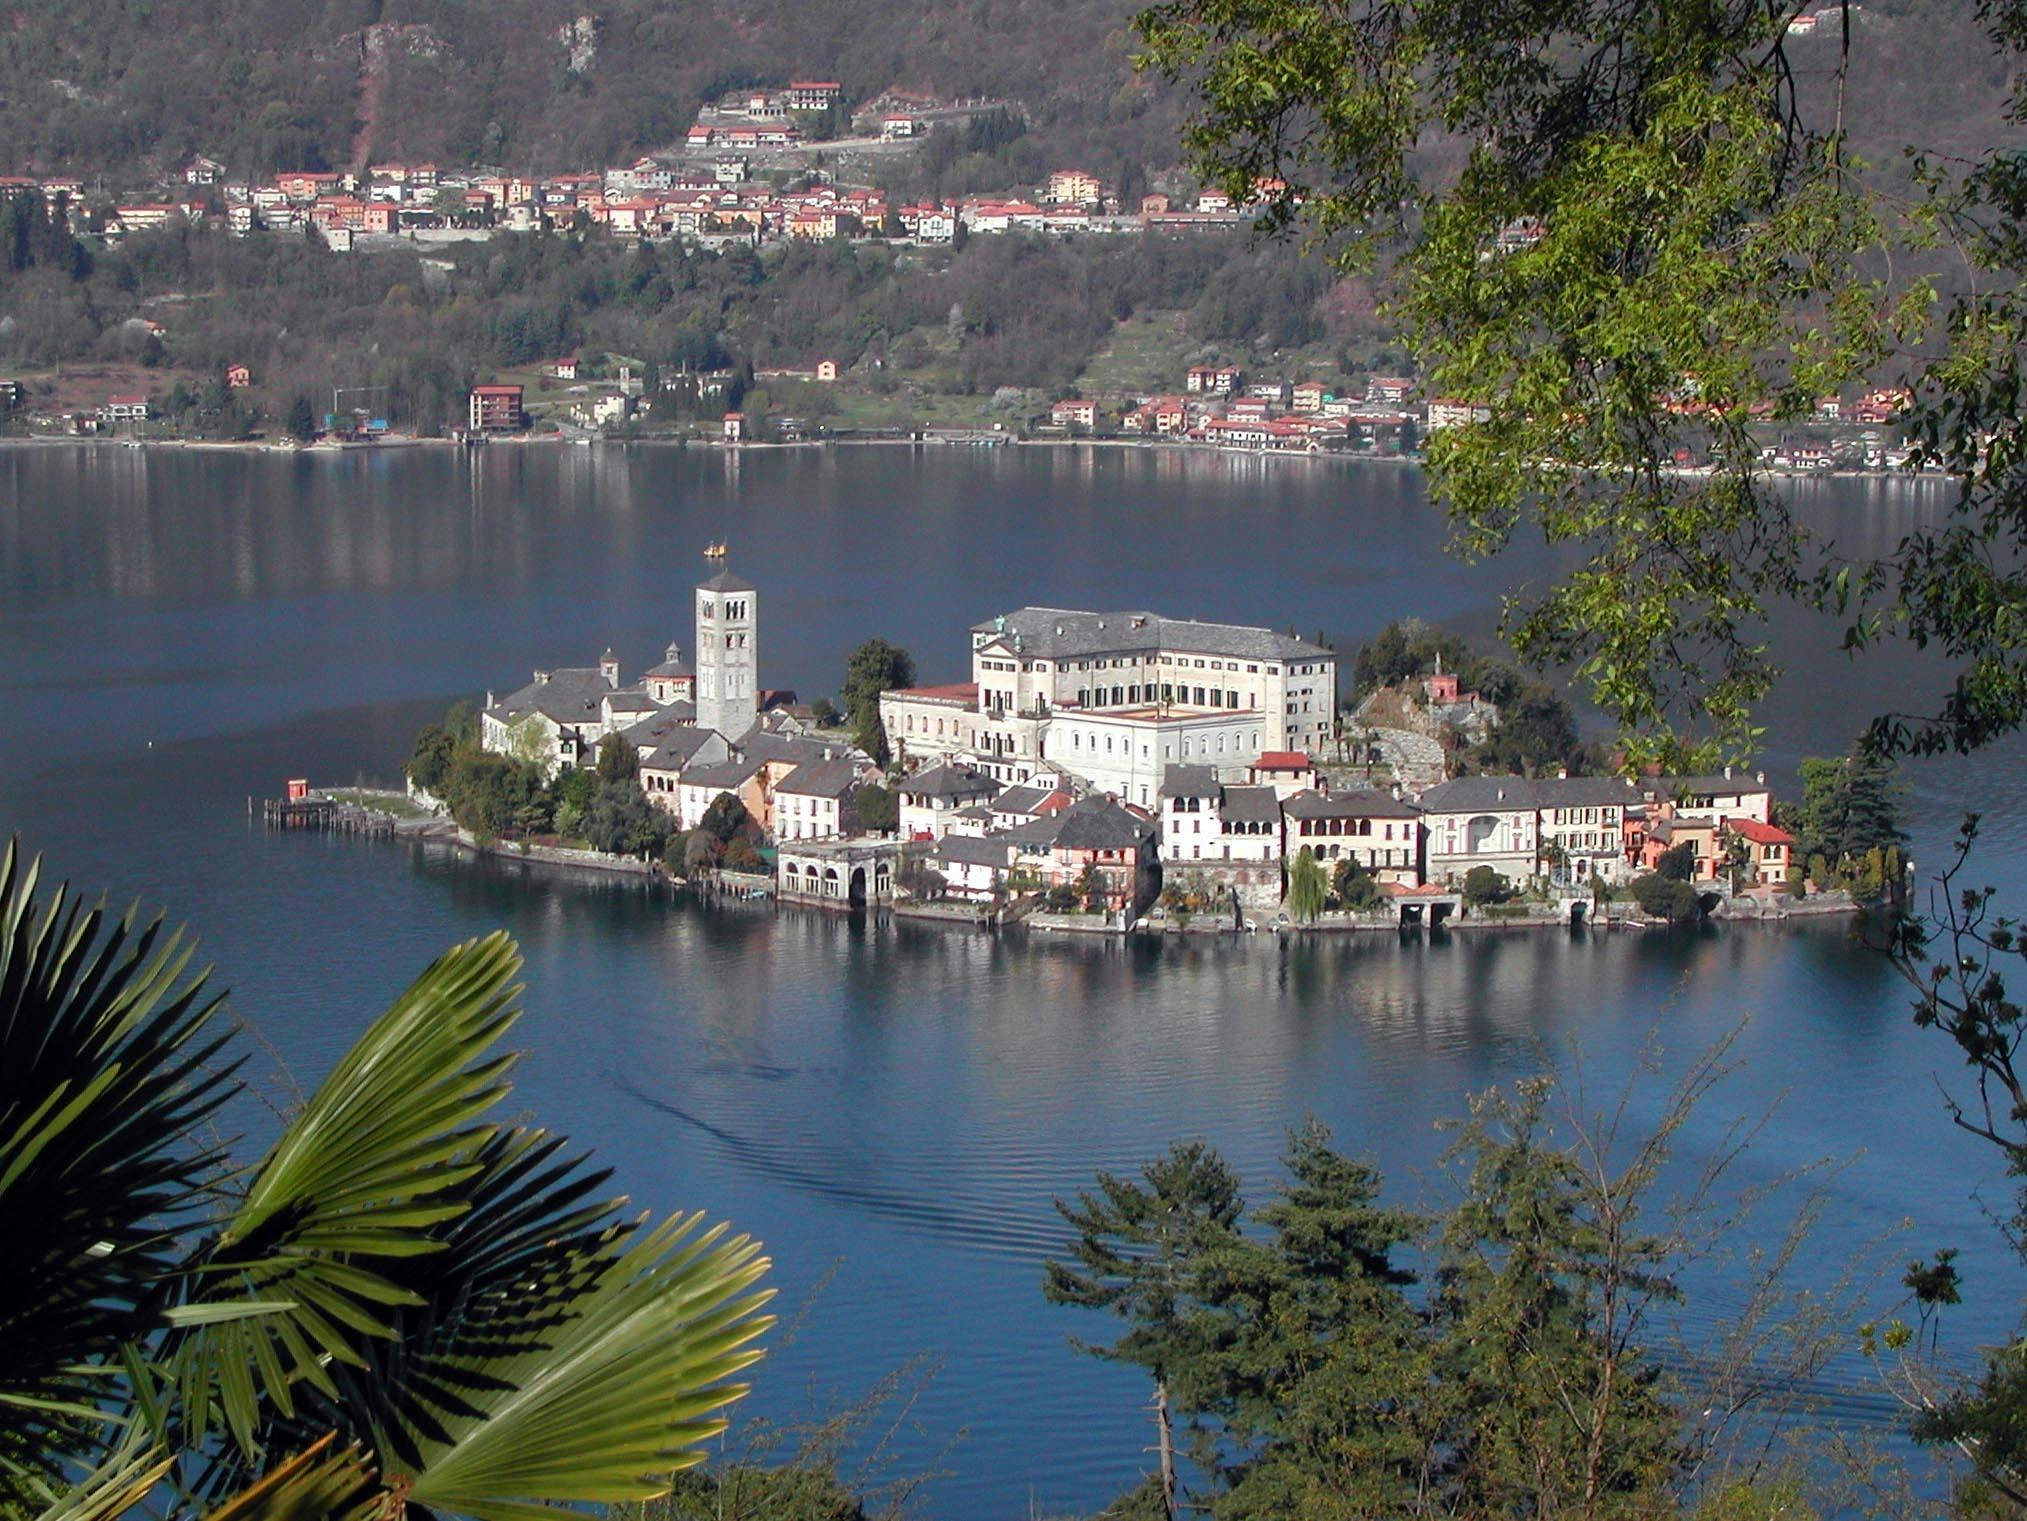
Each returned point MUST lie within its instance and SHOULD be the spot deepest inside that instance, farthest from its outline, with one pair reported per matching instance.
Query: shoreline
(329, 450)
(949, 914)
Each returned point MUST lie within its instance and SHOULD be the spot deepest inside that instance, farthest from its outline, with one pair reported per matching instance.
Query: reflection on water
(179, 631)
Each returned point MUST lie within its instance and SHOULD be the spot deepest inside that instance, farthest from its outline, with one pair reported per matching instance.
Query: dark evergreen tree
(874, 667)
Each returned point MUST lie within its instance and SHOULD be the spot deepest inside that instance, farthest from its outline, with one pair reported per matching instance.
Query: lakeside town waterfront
(900, 1102)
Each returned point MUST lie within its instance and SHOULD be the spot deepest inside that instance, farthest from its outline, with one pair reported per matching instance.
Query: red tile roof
(1758, 833)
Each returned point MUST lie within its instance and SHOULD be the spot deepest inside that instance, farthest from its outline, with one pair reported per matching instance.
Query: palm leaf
(107, 1069)
(359, 1181)
(622, 1389)
(323, 1482)
(534, 1237)
(121, 1482)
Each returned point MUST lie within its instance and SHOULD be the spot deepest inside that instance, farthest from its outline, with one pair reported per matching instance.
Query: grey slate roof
(1475, 794)
(1678, 786)
(666, 741)
(948, 781)
(1359, 803)
(1036, 835)
(831, 778)
(1250, 805)
(975, 850)
(1022, 799)
(1585, 792)
(761, 743)
(1098, 823)
(726, 776)
(572, 695)
(672, 664)
(1189, 781)
(1480, 794)
(1057, 633)
(725, 581)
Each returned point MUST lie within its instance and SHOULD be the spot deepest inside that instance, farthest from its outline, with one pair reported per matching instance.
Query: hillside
(538, 84)
(115, 86)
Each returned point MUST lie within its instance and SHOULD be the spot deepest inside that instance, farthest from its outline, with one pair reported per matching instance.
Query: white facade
(1125, 752)
(801, 817)
(1502, 833)
(1039, 659)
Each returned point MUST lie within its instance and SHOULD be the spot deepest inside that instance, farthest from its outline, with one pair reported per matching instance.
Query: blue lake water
(891, 1108)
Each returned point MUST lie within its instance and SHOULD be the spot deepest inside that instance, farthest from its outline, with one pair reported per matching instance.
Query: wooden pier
(327, 814)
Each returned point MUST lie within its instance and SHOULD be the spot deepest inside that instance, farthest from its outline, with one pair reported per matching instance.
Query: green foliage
(879, 809)
(617, 760)
(302, 420)
(1353, 889)
(1308, 891)
(1677, 863)
(1631, 233)
(403, 1302)
(1406, 650)
(111, 1062)
(1851, 808)
(1319, 1377)
(430, 758)
(1135, 1248)
(798, 1491)
(1484, 886)
(492, 795)
(874, 667)
(1669, 898)
(726, 819)
(1536, 733)
(620, 820)
(701, 851)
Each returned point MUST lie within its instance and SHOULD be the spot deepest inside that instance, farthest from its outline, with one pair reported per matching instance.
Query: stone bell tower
(728, 655)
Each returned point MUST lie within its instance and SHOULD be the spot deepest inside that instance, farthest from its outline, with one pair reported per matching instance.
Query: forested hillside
(113, 85)
(267, 84)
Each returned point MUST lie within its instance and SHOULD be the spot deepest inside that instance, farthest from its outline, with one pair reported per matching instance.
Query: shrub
(1354, 888)
(1662, 897)
(700, 852)
(1483, 885)
(1677, 864)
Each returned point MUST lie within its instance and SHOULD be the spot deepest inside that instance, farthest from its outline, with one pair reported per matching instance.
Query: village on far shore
(1118, 770)
(768, 167)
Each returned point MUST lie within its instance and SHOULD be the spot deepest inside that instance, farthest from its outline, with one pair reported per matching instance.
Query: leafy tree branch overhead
(1634, 235)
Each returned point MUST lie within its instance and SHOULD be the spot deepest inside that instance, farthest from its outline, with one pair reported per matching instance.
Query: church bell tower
(728, 655)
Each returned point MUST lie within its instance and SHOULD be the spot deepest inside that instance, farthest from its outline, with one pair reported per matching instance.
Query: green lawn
(380, 802)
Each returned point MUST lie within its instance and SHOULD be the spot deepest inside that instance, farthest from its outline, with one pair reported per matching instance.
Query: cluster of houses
(706, 194)
(1099, 753)
(1235, 834)
(1222, 406)
(1209, 732)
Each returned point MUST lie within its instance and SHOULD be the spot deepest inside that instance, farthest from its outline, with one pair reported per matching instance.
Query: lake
(893, 1108)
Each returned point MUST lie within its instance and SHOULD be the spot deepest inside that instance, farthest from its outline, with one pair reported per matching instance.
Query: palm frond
(536, 1234)
(108, 1068)
(359, 1181)
(323, 1482)
(621, 1391)
(116, 1486)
